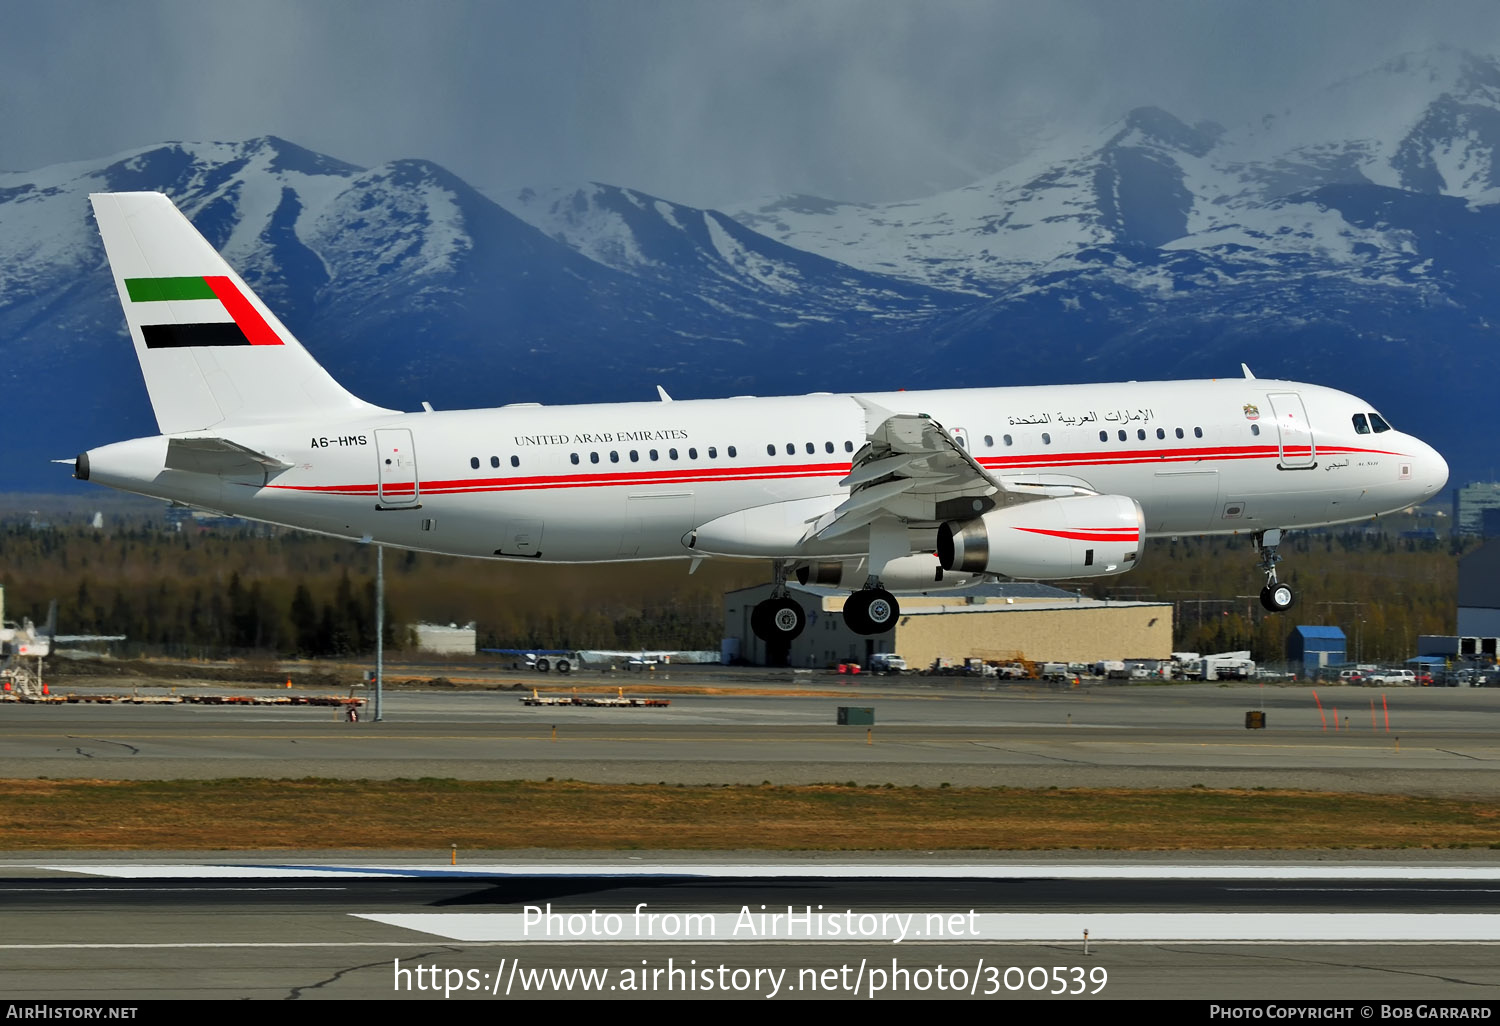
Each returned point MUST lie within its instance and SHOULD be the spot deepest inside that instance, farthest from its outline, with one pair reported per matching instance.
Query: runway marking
(772, 871)
(415, 942)
(876, 926)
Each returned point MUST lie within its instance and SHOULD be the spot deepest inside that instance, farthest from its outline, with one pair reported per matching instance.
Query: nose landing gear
(1275, 596)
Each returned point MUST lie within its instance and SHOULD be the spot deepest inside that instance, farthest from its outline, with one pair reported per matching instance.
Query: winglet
(1246, 369)
(663, 393)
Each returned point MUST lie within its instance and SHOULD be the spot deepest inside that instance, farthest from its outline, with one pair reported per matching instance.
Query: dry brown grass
(415, 814)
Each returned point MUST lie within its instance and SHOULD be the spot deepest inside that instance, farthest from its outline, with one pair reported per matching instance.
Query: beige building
(448, 640)
(998, 622)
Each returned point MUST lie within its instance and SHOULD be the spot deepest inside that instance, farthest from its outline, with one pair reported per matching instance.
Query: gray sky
(702, 101)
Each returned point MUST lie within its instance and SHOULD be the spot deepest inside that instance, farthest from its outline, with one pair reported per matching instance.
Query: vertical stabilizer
(210, 351)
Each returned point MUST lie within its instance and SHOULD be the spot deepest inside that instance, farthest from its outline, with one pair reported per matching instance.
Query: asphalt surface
(1443, 742)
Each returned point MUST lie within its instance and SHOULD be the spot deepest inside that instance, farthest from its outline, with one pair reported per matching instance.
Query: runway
(1366, 927)
(346, 930)
(1443, 742)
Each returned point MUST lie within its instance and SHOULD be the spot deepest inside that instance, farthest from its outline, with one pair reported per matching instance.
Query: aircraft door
(962, 437)
(395, 469)
(1298, 452)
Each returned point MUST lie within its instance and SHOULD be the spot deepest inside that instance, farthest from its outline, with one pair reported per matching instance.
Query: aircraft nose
(1432, 470)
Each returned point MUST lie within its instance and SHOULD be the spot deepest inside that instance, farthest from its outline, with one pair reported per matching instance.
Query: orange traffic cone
(45, 691)
(289, 683)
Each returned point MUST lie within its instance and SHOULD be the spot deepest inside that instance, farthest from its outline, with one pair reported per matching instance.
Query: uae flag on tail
(212, 297)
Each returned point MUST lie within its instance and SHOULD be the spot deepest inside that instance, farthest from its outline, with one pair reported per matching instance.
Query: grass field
(256, 814)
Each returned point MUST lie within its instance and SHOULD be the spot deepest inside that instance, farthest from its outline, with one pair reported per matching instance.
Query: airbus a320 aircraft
(875, 492)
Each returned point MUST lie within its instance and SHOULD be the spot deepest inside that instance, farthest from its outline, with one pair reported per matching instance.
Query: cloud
(704, 101)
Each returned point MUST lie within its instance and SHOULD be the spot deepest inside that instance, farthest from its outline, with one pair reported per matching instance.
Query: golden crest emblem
(1252, 412)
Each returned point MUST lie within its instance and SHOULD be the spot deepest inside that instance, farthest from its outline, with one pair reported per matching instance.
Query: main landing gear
(779, 619)
(871, 611)
(1275, 596)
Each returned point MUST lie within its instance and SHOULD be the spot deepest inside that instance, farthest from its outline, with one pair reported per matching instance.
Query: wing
(912, 468)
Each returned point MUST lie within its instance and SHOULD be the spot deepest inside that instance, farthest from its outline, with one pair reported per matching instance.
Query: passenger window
(713, 453)
(811, 448)
(614, 456)
(1378, 424)
(1104, 436)
(732, 453)
(1255, 429)
(474, 462)
(653, 456)
(1140, 433)
(693, 453)
(1197, 432)
(1046, 438)
(770, 450)
(593, 457)
(1179, 432)
(1160, 433)
(671, 454)
(791, 449)
(848, 446)
(989, 441)
(1008, 440)
(1122, 435)
(574, 457)
(828, 447)
(635, 457)
(515, 461)
(494, 461)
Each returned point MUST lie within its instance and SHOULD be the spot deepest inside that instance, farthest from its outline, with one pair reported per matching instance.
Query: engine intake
(1050, 539)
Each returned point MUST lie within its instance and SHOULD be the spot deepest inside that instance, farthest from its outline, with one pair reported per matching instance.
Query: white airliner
(877, 492)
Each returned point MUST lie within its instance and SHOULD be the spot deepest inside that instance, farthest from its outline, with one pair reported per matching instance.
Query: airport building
(449, 639)
(1471, 503)
(997, 622)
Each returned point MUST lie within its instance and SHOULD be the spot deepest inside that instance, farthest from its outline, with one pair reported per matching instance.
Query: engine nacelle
(1050, 539)
(919, 572)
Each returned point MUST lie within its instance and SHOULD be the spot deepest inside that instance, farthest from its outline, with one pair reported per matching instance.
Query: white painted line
(909, 927)
(812, 870)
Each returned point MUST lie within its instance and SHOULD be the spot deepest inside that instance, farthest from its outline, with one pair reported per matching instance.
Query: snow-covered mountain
(1352, 239)
(1422, 123)
(410, 285)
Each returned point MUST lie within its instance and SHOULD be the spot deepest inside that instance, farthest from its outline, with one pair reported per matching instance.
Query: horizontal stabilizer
(219, 456)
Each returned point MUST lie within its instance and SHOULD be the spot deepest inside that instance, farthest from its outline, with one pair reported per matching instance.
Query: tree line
(255, 589)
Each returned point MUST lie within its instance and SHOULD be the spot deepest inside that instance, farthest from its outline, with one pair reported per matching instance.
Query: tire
(778, 620)
(563, 666)
(543, 665)
(1277, 598)
(873, 611)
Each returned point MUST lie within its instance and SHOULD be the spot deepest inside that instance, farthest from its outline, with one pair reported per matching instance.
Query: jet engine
(919, 572)
(1073, 536)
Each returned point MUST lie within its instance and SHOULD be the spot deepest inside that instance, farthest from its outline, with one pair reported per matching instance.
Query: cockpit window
(1378, 424)
(1361, 425)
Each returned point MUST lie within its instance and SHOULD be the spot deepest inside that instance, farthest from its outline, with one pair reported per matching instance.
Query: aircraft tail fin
(211, 352)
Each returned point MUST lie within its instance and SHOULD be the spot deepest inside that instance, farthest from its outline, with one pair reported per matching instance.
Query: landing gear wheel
(777, 620)
(1277, 597)
(873, 611)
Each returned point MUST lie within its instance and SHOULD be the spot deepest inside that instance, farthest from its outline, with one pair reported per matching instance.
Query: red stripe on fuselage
(772, 472)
